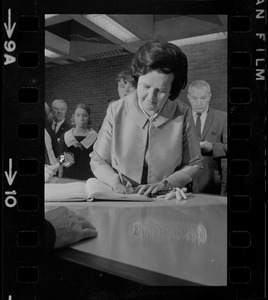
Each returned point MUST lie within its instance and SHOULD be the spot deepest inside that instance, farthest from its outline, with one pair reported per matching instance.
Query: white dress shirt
(58, 125)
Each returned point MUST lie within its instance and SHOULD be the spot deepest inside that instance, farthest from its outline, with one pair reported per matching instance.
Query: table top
(155, 243)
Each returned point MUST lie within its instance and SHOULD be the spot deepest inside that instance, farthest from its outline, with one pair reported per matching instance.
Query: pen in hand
(120, 176)
(119, 172)
(127, 184)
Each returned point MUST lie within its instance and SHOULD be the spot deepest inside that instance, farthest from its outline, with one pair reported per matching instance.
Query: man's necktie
(55, 127)
(198, 124)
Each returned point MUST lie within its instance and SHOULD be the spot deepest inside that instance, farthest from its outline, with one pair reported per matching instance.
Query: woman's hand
(148, 189)
(119, 187)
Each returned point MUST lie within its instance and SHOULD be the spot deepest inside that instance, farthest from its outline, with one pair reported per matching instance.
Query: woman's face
(153, 90)
(124, 87)
(81, 118)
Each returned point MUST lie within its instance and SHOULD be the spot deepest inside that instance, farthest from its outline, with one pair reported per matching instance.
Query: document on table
(92, 190)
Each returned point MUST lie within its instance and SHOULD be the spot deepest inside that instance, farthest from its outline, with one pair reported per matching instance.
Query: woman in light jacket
(149, 136)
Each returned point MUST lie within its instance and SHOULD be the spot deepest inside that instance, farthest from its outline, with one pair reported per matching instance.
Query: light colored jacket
(172, 141)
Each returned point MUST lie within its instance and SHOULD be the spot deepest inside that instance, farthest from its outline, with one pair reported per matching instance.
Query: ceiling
(76, 38)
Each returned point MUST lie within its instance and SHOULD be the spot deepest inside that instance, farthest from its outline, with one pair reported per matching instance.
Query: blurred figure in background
(59, 124)
(52, 150)
(125, 85)
(211, 127)
(78, 142)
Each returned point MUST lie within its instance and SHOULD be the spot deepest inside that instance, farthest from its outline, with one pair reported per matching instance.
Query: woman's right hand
(119, 187)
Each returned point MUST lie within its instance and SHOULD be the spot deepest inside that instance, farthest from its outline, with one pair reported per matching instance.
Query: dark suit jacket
(215, 132)
(54, 143)
(65, 126)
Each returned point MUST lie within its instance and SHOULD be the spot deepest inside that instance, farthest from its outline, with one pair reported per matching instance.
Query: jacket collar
(58, 124)
(135, 113)
(70, 139)
(209, 120)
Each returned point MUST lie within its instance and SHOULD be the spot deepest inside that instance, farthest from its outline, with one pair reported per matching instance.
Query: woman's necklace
(153, 117)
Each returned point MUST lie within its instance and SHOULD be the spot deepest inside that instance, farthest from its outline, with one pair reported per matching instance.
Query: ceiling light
(51, 54)
(47, 16)
(200, 39)
(80, 58)
(63, 62)
(112, 27)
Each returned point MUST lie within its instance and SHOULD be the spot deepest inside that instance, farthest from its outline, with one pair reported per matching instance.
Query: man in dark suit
(211, 126)
(59, 124)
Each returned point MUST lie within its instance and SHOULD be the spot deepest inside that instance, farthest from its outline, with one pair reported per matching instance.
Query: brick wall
(93, 82)
(208, 61)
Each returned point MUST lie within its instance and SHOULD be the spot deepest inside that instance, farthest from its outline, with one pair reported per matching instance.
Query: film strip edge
(22, 159)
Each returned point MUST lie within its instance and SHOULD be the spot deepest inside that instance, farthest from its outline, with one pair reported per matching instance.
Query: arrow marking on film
(8, 27)
(9, 176)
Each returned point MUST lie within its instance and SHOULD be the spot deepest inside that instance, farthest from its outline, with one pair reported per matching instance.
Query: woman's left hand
(147, 189)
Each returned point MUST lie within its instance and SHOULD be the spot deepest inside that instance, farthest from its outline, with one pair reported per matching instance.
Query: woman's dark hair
(86, 108)
(165, 58)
